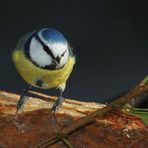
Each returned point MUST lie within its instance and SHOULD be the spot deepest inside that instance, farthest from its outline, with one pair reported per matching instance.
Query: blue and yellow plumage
(32, 73)
(45, 60)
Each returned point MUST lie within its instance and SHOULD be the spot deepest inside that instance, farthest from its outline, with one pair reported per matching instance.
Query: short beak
(57, 60)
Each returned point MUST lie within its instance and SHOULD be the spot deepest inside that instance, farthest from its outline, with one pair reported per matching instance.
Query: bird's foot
(19, 123)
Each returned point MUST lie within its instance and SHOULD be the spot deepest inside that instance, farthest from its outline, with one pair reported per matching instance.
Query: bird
(45, 60)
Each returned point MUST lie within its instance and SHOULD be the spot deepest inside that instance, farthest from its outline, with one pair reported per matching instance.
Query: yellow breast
(32, 73)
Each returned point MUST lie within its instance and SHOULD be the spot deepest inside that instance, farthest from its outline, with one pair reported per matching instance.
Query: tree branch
(138, 90)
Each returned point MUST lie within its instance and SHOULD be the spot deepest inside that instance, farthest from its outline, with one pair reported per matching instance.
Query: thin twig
(138, 90)
(61, 137)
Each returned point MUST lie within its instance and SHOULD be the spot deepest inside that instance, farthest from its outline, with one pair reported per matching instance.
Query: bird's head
(48, 48)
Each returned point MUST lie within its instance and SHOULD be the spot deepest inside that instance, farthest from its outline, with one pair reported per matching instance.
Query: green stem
(62, 138)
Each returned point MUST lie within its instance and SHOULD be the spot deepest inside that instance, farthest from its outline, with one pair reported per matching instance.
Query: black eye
(48, 51)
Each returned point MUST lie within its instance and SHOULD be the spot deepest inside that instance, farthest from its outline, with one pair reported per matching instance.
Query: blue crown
(53, 35)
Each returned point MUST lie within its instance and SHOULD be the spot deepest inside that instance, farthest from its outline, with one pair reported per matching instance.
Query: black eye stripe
(46, 48)
(27, 54)
(48, 51)
(63, 53)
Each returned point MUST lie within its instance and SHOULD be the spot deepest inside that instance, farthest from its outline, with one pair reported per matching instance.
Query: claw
(20, 104)
(53, 109)
(17, 114)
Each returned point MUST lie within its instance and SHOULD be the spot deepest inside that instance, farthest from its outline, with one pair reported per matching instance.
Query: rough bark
(85, 124)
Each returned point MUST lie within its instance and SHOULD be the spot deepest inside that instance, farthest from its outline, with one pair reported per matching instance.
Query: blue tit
(45, 60)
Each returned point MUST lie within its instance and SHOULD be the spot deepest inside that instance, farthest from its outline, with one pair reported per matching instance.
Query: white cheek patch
(38, 55)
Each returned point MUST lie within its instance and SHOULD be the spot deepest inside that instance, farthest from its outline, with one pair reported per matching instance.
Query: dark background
(110, 38)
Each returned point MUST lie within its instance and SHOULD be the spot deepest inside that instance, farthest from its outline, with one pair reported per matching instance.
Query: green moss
(146, 79)
(140, 112)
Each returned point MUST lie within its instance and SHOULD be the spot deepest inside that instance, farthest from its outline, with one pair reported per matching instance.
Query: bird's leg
(22, 101)
(21, 126)
(57, 103)
(59, 99)
(53, 119)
